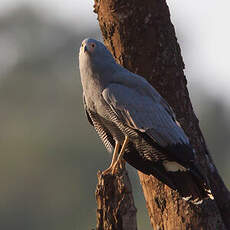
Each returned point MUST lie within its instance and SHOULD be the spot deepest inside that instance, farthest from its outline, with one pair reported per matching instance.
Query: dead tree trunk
(115, 205)
(141, 37)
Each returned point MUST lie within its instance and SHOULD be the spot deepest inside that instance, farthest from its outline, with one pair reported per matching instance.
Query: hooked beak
(85, 49)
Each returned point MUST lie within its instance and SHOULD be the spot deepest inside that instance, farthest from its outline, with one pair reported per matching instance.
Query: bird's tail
(191, 186)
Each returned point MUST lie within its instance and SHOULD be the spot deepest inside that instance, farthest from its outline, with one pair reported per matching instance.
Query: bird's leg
(114, 159)
(119, 159)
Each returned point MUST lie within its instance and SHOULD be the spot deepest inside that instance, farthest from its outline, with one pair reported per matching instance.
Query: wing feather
(144, 114)
(153, 117)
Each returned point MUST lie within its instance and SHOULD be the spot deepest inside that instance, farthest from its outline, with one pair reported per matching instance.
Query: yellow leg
(114, 159)
(119, 159)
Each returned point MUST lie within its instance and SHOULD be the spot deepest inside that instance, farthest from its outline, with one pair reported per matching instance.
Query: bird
(136, 124)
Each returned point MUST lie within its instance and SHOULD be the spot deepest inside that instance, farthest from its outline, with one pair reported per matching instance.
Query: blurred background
(49, 154)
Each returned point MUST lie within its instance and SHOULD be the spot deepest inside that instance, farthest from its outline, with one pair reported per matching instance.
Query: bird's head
(96, 62)
(88, 46)
(94, 50)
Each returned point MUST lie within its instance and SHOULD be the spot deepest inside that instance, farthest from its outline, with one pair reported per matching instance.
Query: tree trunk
(141, 37)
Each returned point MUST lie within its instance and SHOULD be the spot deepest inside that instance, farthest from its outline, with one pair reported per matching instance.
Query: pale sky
(203, 27)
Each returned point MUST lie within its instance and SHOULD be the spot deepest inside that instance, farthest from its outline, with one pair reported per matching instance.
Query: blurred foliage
(49, 154)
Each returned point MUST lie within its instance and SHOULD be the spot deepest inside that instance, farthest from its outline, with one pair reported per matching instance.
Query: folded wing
(151, 116)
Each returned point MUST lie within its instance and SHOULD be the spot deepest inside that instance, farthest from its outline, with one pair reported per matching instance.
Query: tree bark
(142, 38)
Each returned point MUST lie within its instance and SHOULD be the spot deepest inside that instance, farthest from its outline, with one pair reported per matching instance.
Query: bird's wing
(101, 130)
(153, 117)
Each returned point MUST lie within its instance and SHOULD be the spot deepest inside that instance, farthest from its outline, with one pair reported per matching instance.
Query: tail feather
(190, 187)
(190, 184)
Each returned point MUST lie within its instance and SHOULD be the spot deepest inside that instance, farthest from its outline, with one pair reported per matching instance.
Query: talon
(107, 171)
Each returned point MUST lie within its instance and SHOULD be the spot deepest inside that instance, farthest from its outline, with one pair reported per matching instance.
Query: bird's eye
(93, 45)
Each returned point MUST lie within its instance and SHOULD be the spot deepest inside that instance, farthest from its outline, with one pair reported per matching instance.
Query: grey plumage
(122, 105)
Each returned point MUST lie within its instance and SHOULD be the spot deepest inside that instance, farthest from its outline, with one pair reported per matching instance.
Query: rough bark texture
(141, 37)
(115, 206)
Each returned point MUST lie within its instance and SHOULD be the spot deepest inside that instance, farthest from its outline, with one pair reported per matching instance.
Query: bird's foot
(113, 169)
(119, 165)
(107, 171)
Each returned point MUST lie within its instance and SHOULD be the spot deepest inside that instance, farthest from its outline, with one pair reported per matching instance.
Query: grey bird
(136, 123)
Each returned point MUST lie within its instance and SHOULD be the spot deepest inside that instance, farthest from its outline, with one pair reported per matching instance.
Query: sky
(205, 42)
(202, 26)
